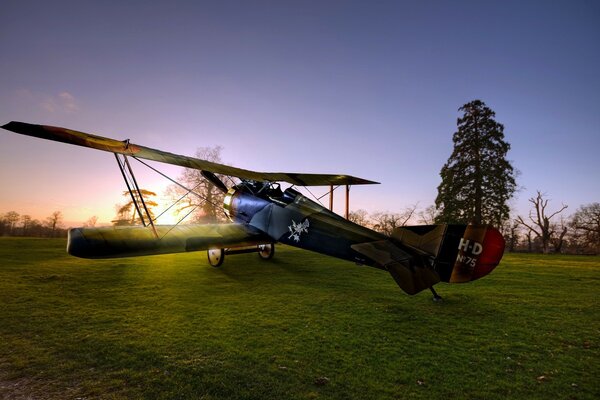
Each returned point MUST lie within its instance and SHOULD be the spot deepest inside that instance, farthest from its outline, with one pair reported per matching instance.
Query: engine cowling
(241, 206)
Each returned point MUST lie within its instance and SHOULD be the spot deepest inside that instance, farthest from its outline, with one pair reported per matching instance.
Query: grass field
(302, 326)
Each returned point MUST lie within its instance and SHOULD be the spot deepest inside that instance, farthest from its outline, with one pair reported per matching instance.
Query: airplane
(261, 214)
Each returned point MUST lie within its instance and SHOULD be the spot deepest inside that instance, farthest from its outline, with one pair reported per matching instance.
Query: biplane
(262, 214)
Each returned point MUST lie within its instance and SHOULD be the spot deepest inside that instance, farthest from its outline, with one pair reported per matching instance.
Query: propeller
(212, 178)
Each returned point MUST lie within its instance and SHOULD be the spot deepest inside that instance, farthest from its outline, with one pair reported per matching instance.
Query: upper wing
(124, 147)
(131, 241)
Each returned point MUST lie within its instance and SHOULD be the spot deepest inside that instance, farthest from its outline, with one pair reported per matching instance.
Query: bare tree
(529, 237)
(360, 217)
(54, 221)
(428, 215)
(91, 222)
(11, 217)
(206, 201)
(386, 222)
(26, 224)
(540, 222)
(561, 230)
(512, 233)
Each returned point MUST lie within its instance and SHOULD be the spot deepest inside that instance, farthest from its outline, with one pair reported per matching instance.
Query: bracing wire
(178, 222)
(177, 201)
(316, 198)
(181, 186)
(328, 192)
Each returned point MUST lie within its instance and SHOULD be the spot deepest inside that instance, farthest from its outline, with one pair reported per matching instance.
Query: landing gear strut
(436, 297)
(217, 256)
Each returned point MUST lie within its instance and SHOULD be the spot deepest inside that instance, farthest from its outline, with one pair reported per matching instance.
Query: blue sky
(364, 88)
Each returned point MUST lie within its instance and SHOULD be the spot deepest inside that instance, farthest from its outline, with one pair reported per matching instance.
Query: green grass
(172, 327)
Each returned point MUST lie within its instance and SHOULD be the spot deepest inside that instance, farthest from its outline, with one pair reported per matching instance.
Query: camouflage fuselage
(289, 217)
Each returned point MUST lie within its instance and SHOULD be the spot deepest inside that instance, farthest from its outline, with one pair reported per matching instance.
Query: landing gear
(216, 257)
(266, 251)
(436, 297)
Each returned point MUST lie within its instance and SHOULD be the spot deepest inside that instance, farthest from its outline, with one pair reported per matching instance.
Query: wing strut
(347, 211)
(347, 214)
(127, 171)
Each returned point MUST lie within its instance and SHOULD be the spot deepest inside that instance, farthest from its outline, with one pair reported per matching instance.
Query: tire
(266, 251)
(216, 257)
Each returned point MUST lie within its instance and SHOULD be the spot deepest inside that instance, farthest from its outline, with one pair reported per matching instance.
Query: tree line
(543, 230)
(14, 224)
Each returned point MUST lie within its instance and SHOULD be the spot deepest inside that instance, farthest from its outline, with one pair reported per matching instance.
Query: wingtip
(7, 125)
(367, 182)
(16, 126)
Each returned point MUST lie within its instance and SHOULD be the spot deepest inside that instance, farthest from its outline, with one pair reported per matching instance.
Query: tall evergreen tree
(477, 180)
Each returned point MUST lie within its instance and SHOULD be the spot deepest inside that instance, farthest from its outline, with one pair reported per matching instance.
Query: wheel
(266, 251)
(216, 257)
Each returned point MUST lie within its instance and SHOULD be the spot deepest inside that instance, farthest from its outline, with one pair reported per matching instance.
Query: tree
(586, 222)
(359, 217)
(428, 216)
(529, 238)
(540, 223)
(36, 228)
(54, 221)
(123, 214)
(206, 202)
(91, 222)
(477, 180)
(386, 222)
(26, 222)
(11, 218)
(127, 213)
(511, 233)
(558, 239)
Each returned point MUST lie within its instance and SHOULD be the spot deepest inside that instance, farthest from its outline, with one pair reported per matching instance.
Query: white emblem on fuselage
(297, 229)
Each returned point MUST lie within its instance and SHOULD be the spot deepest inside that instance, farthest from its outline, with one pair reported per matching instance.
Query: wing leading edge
(132, 241)
(69, 136)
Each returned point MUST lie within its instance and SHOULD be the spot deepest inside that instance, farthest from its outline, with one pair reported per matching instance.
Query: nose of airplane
(77, 245)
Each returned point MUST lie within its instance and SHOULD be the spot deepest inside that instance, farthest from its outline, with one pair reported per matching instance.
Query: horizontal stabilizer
(64, 135)
(426, 240)
(404, 267)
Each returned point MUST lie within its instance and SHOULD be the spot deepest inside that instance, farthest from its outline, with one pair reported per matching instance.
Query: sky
(366, 88)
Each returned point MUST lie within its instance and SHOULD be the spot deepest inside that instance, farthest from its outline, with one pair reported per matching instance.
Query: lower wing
(130, 241)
